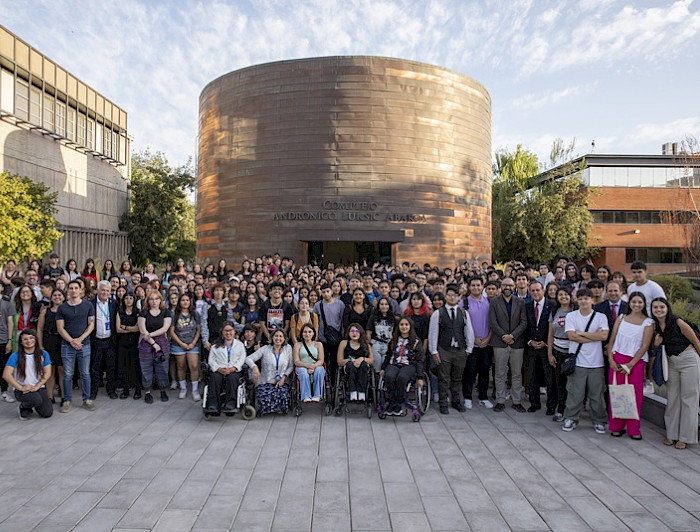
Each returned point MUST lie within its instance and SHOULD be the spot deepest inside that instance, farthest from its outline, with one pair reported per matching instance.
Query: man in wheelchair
(226, 359)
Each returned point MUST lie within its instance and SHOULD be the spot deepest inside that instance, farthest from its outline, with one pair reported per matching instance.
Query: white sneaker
(306, 400)
(648, 387)
(468, 404)
(600, 428)
(173, 385)
(7, 396)
(316, 399)
(196, 396)
(182, 394)
(486, 403)
(360, 396)
(353, 396)
(569, 425)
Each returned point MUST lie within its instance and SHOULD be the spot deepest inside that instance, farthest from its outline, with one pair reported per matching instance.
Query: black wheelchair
(416, 400)
(343, 403)
(326, 398)
(245, 395)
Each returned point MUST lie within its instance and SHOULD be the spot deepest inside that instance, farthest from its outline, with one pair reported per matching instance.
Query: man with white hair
(104, 341)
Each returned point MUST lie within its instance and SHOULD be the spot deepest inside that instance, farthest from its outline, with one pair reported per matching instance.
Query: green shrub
(677, 288)
(686, 310)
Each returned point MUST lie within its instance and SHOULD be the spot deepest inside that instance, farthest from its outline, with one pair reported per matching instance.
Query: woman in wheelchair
(356, 358)
(272, 390)
(308, 359)
(403, 362)
(226, 360)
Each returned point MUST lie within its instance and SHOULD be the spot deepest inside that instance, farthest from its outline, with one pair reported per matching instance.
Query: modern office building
(644, 208)
(342, 159)
(57, 130)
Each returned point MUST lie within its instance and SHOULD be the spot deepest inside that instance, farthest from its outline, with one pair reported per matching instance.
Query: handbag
(330, 333)
(568, 365)
(659, 367)
(623, 400)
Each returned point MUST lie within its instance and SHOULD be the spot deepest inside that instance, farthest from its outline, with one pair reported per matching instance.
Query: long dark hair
(644, 299)
(363, 336)
(18, 299)
(220, 340)
(671, 320)
(412, 336)
(178, 308)
(85, 269)
(389, 316)
(301, 335)
(21, 367)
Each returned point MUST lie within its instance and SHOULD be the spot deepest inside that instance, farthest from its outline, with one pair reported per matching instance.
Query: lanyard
(25, 317)
(228, 352)
(105, 314)
(277, 362)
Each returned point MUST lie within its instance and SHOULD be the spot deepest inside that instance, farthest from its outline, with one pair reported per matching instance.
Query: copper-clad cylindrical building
(342, 159)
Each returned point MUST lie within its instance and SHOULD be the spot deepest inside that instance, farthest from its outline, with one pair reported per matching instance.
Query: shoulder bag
(330, 333)
(568, 365)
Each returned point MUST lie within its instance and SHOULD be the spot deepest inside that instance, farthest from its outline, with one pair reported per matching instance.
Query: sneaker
(360, 396)
(569, 425)
(21, 415)
(316, 399)
(398, 410)
(195, 396)
(8, 397)
(353, 396)
(148, 398)
(306, 400)
(486, 403)
(164, 397)
(173, 385)
(558, 417)
(500, 407)
(648, 387)
(65, 408)
(436, 398)
(182, 394)
(468, 404)
(89, 405)
(600, 428)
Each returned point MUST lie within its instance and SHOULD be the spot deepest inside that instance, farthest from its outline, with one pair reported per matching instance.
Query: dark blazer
(604, 307)
(538, 332)
(500, 324)
(113, 309)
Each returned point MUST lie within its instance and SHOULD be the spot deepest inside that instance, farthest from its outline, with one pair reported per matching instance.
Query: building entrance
(349, 252)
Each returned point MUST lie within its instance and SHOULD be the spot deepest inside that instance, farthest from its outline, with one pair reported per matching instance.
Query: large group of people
(574, 331)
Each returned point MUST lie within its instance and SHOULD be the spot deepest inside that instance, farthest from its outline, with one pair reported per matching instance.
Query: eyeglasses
(354, 331)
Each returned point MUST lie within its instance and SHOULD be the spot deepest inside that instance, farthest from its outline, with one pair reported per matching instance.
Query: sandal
(681, 445)
(636, 437)
(617, 433)
(669, 442)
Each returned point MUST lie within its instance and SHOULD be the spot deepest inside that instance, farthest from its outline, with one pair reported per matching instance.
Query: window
(90, 134)
(82, 124)
(608, 217)
(108, 142)
(48, 112)
(98, 137)
(655, 255)
(115, 145)
(70, 124)
(22, 99)
(7, 91)
(35, 106)
(61, 118)
(640, 217)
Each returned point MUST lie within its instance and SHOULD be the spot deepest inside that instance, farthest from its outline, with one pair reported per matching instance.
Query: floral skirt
(271, 398)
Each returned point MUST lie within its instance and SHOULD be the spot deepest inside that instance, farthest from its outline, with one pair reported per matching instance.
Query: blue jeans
(304, 381)
(69, 355)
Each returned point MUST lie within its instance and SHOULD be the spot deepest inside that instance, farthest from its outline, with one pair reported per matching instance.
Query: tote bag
(623, 400)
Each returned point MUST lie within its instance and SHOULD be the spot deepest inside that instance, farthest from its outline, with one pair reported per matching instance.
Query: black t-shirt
(52, 273)
(153, 323)
(275, 315)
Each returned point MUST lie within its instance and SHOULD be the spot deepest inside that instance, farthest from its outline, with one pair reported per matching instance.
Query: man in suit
(508, 323)
(538, 312)
(612, 307)
(104, 341)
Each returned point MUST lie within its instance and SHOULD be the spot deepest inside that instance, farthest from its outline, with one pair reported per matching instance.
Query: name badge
(107, 325)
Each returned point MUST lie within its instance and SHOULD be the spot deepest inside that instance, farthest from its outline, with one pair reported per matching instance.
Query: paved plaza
(129, 466)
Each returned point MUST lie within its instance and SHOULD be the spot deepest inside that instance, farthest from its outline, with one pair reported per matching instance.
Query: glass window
(48, 112)
(98, 138)
(70, 123)
(645, 217)
(22, 99)
(597, 217)
(630, 255)
(7, 91)
(665, 256)
(652, 255)
(35, 106)
(620, 217)
(82, 120)
(633, 217)
(90, 134)
(608, 217)
(115, 150)
(108, 142)
(620, 177)
(61, 118)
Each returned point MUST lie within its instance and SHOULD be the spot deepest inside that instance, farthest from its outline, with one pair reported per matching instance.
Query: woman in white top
(627, 352)
(272, 390)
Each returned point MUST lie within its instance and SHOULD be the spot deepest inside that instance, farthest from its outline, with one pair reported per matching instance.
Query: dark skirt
(52, 345)
(128, 365)
(271, 398)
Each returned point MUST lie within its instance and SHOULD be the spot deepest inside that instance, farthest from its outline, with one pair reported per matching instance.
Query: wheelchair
(342, 402)
(245, 400)
(416, 400)
(295, 394)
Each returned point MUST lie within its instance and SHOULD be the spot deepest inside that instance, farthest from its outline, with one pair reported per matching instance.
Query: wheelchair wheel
(423, 397)
(248, 412)
(416, 416)
(297, 411)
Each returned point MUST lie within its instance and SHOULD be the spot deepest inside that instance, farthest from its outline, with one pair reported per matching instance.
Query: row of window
(643, 217)
(31, 103)
(655, 255)
(629, 176)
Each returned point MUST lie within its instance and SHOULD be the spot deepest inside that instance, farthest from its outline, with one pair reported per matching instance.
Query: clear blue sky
(624, 73)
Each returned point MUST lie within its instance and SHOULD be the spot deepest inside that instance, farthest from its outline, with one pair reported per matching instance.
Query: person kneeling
(308, 359)
(226, 360)
(403, 362)
(27, 370)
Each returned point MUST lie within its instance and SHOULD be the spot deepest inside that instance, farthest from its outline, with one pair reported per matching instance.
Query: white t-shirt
(650, 289)
(591, 353)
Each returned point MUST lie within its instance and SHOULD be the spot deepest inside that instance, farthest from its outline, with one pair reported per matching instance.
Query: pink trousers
(635, 378)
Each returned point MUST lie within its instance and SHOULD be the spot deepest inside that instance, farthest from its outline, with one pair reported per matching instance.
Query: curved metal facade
(342, 149)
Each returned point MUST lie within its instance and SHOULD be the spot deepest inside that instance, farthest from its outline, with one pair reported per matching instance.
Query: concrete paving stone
(124, 493)
(330, 522)
(176, 521)
(672, 515)
(232, 482)
(409, 522)
(432, 483)
(218, 512)
(73, 509)
(486, 522)
(368, 511)
(395, 470)
(444, 513)
(642, 521)
(100, 520)
(595, 514)
(146, 467)
(614, 498)
(145, 511)
(518, 512)
(332, 469)
(104, 478)
(53, 528)
(192, 495)
(331, 497)
(129, 454)
(260, 493)
(258, 521)
(402, 497)
(292, 518)
(687, 475)
(564, 520)
(167, 481)
(473, 497)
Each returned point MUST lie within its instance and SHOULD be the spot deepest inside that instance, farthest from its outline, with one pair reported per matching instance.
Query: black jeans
(560, 381)
(450, 372)
(330, 356)
(357, 377)
(103, 350)
(478, 364)
(218, 383)
(396, 379)
(535, 358)
(38, 400)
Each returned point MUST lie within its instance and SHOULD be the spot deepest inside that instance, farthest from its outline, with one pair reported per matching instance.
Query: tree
(27, 223)
(159, 222)
(539, 220)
